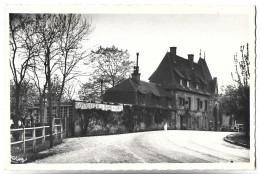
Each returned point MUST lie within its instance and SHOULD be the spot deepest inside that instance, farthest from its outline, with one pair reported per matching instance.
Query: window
(189, 100)
(198, 104)
(188, 83)
(61, 111)
(205, 87)
(65, 112)
(206, 105)
(157, 101)
(181, 101)
(181, 82)
(37, 115)
(54, 111)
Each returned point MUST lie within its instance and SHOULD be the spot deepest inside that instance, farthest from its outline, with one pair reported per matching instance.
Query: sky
(218, 35)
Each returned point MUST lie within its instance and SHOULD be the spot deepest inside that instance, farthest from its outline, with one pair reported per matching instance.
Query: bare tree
(70, 90)
(236, 97)
(242, 68)
(74, 32)
(49, 29)
(23, 47)
(37, 71)
(243, 87)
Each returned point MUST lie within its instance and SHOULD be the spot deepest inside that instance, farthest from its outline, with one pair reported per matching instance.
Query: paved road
(150, 147)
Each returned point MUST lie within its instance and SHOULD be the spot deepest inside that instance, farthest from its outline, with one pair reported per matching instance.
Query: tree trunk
(59, 98)
(48, 79)
(50, 112)
(17, 103)
(41, 109)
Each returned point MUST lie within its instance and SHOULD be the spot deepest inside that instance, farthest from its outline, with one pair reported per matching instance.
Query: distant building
(180, 91)
(72, 115)
(66, 109)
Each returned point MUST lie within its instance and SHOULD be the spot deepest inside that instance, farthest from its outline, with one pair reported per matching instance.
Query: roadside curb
(236, 143)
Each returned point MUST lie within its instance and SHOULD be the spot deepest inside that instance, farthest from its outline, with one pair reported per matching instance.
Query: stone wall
(194, 98)
(136, 118)
(192, 118)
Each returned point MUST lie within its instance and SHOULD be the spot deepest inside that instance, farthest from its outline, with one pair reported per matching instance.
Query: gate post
(34, 140)
(23, 139)
(43, 134)
(61, 131)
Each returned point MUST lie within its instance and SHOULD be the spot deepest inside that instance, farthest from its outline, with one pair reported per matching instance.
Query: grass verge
(239, 139)
(18, 157)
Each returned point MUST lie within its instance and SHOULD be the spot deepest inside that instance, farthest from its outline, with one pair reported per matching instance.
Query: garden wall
(91, 122)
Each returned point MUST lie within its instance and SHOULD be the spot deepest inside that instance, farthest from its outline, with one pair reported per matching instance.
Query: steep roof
(164, 73)
(153, 88)
(183, 65)
(174, 65)
(126, 85)
(205, 69)
(142, 87)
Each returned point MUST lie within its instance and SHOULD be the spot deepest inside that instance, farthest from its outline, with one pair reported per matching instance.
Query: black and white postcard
(130, 87)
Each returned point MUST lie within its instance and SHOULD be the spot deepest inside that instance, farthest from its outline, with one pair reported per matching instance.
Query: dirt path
(150, 147)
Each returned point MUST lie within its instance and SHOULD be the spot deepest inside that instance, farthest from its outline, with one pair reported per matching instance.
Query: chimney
(173, 50)
(191, 59)
(136, 74)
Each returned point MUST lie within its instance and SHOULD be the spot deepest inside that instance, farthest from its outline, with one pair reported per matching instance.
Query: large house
(180, 91)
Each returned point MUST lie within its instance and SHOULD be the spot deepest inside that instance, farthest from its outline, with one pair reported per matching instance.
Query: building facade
(180, 91)
(66, 109)
(80, 118)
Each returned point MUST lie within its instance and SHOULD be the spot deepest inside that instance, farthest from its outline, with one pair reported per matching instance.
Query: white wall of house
(194, 102)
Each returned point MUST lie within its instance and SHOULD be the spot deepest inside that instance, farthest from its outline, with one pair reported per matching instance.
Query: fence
(34, 136)
(63, 122)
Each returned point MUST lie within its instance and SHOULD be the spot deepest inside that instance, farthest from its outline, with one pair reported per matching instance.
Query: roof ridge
(186, 59)
(149, 82)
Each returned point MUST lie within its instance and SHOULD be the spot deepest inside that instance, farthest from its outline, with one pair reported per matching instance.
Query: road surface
(170, 146)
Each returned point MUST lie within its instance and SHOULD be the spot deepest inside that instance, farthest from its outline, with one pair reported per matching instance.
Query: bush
(17, 135)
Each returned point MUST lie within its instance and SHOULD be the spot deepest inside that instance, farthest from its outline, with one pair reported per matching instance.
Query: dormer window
(157, 101)
(197, 86)
(188, 83)
(181, 83)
